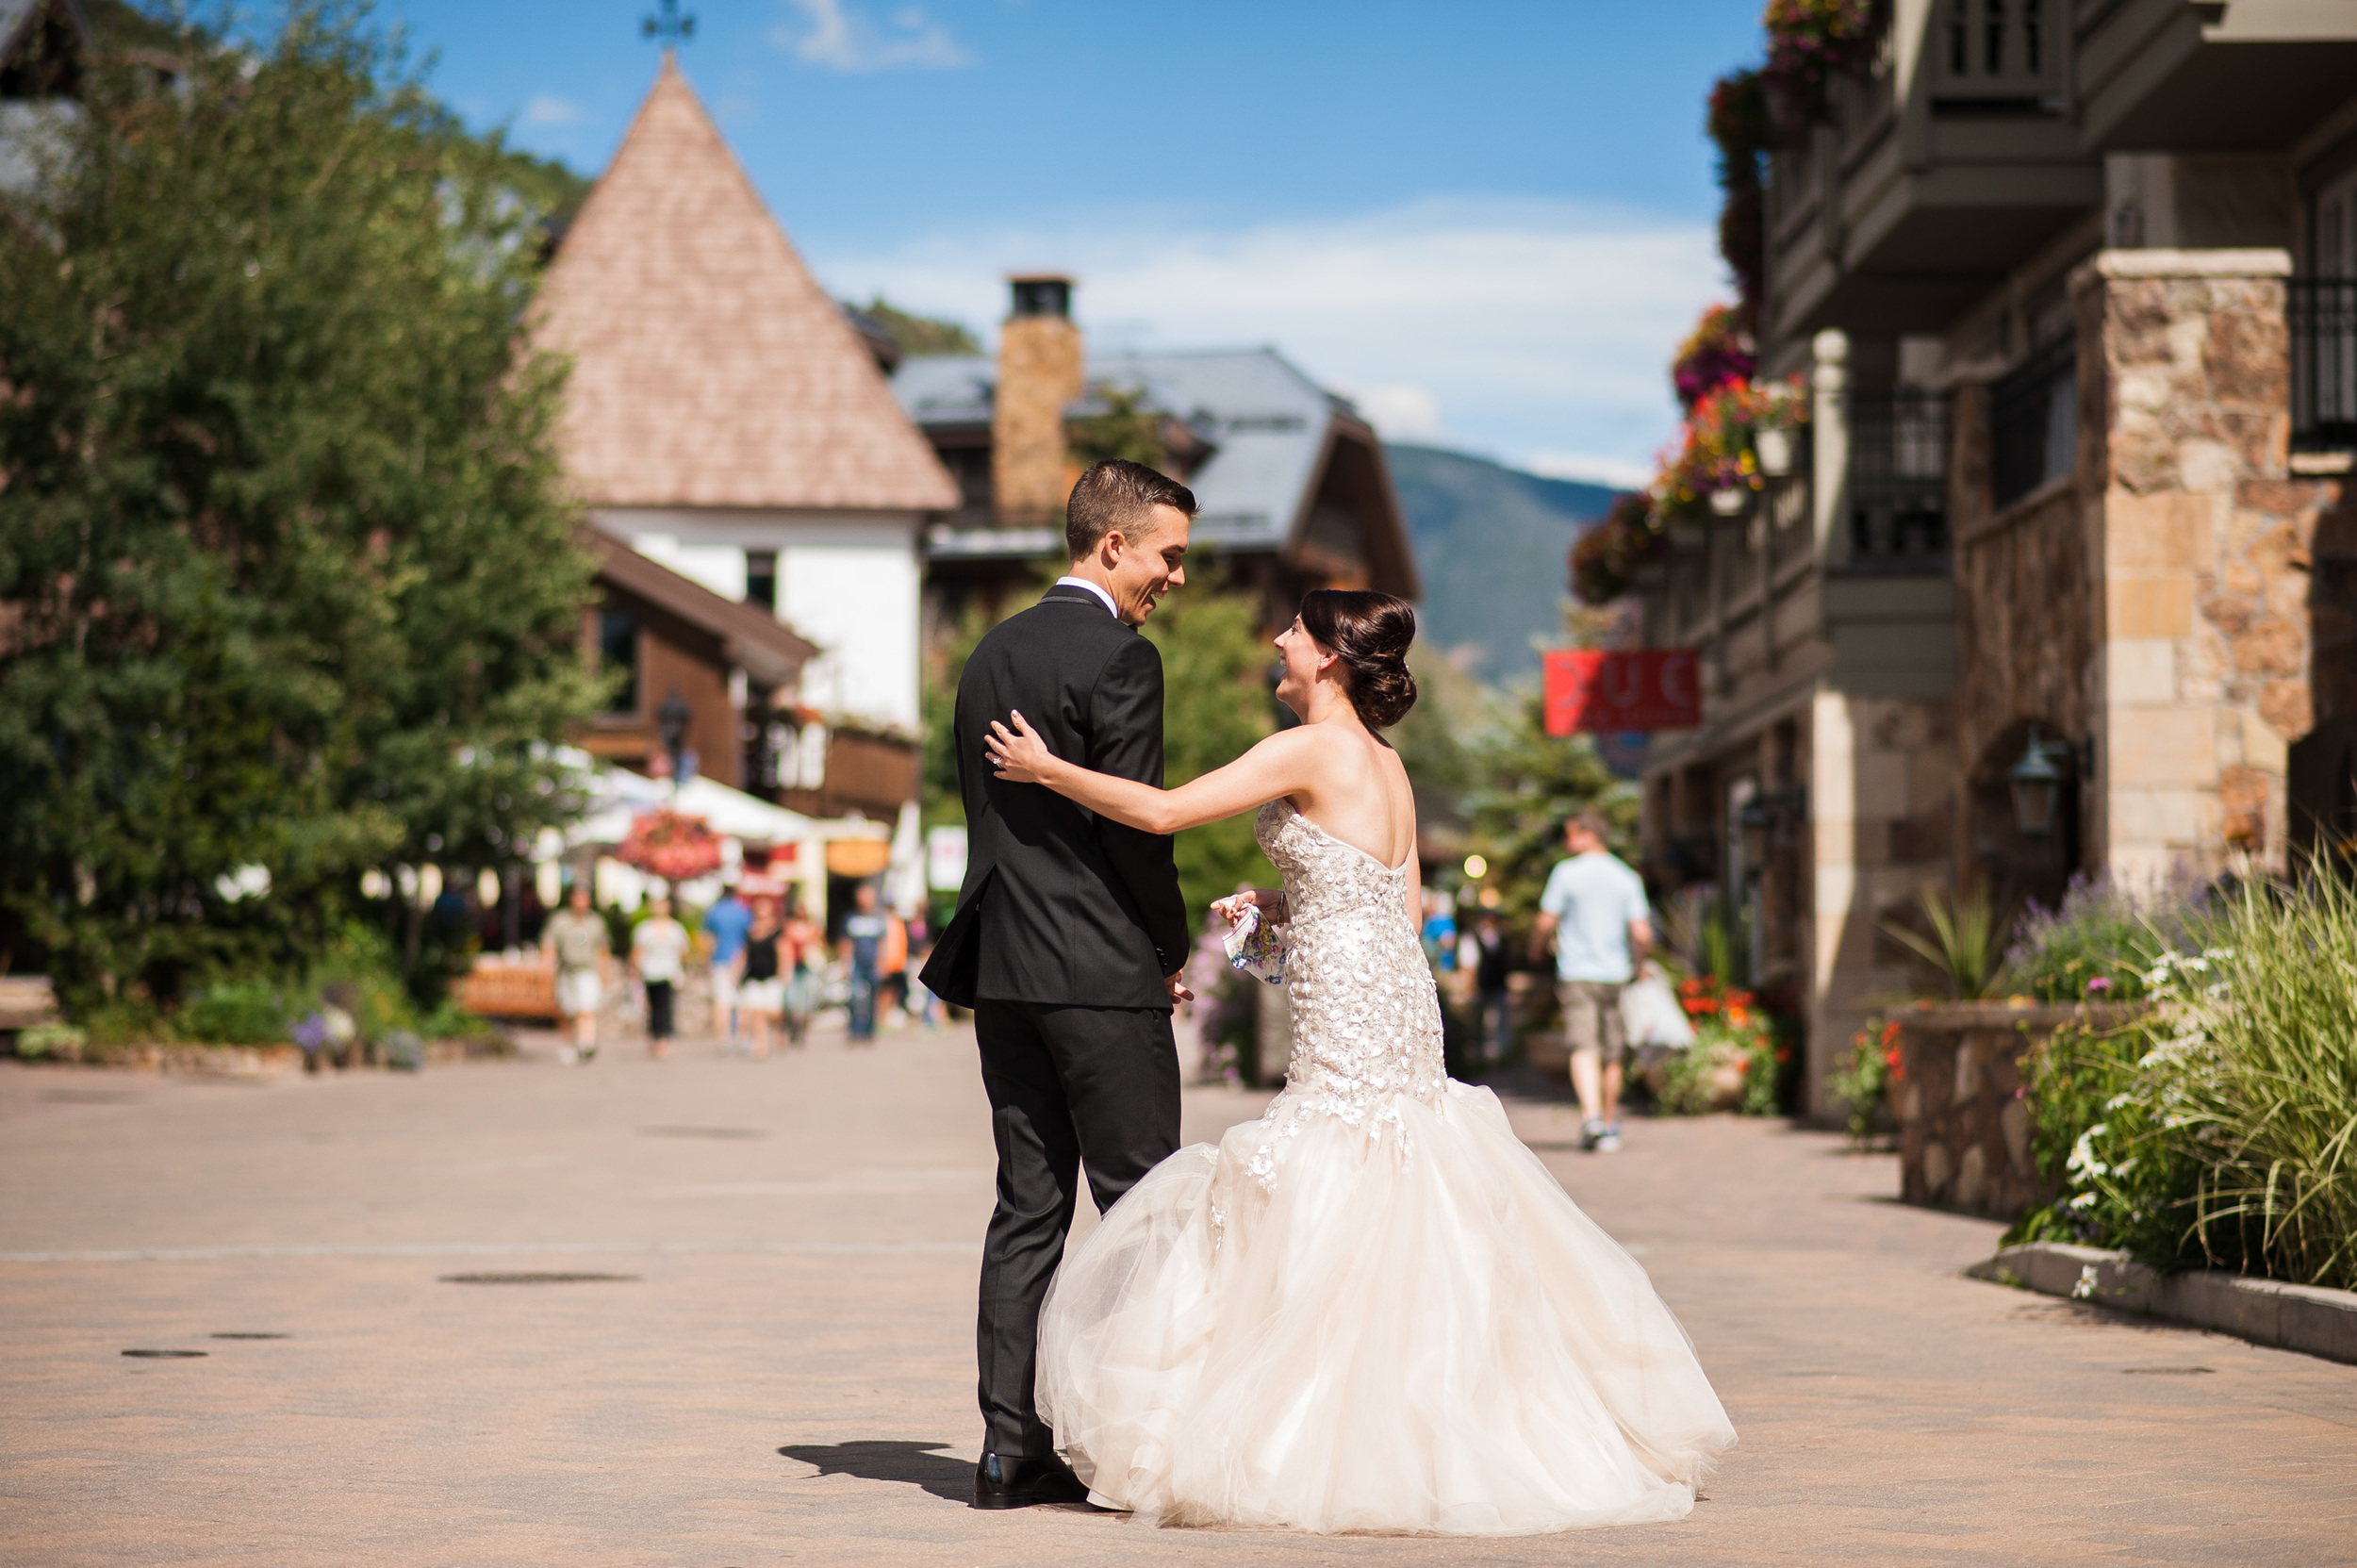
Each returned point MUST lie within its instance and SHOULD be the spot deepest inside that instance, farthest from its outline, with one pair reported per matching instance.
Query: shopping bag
(1650, 1012)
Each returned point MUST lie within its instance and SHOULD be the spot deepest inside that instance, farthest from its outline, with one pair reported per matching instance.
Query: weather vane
(670, 27)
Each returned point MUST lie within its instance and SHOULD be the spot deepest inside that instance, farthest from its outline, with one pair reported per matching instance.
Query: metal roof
(1266, 421)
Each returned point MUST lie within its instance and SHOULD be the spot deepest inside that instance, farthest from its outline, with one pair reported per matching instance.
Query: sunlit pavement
(785, 1373)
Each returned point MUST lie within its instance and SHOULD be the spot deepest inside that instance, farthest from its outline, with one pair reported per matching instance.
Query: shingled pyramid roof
(710, 369)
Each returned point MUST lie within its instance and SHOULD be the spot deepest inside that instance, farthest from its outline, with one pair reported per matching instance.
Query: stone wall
(2205, 539)
(2027, 650)
(1963, 1106)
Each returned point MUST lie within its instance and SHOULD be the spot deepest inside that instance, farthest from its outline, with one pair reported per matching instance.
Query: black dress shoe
(1001, 1482)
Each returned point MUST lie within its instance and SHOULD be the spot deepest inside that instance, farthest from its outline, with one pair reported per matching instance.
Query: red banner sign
(1656, 689)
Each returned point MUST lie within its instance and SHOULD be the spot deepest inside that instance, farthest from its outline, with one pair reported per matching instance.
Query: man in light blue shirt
(1594, 907)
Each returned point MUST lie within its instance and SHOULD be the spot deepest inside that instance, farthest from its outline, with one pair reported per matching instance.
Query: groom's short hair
(1117, 493)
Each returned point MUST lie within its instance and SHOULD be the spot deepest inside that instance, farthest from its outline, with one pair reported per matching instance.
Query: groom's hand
(1177, 984)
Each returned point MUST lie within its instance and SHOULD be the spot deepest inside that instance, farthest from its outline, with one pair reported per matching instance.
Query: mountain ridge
(1492, 542)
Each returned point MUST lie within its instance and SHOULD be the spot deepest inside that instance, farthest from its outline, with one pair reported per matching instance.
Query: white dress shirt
(1093, 587)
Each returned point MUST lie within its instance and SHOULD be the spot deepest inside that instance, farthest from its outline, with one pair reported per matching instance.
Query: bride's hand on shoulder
(1019, 754)
(1269, 901)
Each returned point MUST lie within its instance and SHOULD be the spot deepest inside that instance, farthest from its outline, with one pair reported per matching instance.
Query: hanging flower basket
(671, 845)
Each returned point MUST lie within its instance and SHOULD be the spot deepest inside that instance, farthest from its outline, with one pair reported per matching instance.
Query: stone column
(1829, 454)
(2201, 542)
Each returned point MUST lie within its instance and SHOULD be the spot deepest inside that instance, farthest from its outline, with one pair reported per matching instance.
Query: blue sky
(1490, 222)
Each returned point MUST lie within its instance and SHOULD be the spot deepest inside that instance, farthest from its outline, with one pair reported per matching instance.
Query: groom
(1070, 936)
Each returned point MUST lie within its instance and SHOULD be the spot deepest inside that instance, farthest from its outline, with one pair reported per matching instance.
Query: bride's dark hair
(1370, 634)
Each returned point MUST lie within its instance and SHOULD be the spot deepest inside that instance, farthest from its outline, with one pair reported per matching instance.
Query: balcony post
(1829, 432)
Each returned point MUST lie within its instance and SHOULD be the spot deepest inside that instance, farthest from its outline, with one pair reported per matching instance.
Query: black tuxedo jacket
(1060, 905)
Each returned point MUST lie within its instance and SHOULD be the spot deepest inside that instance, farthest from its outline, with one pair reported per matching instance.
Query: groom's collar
(1088, 586)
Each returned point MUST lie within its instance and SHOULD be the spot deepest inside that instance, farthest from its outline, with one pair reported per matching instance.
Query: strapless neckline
(1286, 802)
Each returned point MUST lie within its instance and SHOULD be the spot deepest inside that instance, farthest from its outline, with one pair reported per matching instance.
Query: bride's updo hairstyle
(1370, 634)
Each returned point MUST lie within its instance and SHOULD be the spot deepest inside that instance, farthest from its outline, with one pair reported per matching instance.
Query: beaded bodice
(1366, 1022)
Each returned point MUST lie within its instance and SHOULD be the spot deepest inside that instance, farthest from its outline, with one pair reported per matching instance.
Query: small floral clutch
(1254, 946)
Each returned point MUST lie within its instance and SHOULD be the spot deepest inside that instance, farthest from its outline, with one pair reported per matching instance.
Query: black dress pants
(1068, 1087)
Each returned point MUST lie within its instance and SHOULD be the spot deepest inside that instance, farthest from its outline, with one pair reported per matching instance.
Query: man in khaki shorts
(1594, 907)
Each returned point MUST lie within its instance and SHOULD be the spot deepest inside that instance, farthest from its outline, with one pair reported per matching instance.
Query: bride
(1372, 1310)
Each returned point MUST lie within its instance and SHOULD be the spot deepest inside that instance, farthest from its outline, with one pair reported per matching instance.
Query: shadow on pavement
(917, 1463)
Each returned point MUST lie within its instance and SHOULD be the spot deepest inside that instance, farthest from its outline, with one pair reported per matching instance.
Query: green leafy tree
(917, 336)
(1123, 426)
(288, 576)
(1528, 783)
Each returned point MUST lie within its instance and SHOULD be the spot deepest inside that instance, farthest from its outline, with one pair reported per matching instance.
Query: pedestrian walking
(658, 957)
(726, 924)
(759, 989)
(576, 939)
(862, 950)
(1494, 1022)
(802, 952)
(892, 972)
(1594, 908)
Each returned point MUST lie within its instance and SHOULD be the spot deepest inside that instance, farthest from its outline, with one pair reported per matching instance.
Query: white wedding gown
(1372, 1310)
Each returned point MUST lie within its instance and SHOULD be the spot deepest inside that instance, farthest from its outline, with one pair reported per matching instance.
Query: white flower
(2084, 1289)
(2083, 1202)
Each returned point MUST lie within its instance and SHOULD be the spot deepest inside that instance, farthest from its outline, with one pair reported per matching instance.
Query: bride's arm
(1278, 765)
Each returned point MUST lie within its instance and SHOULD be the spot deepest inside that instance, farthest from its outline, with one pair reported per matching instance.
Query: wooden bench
(27, 1000)
(502, 990)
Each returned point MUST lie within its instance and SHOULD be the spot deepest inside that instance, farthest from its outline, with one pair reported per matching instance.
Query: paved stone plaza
(787, 1375)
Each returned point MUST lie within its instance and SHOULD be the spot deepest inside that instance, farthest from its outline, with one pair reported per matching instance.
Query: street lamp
(671, 721)
(2036, 787)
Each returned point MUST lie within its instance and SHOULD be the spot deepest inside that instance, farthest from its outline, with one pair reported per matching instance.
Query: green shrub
(236, 1013)
(2098, 945)
(2221, 1129)
(61, 1041)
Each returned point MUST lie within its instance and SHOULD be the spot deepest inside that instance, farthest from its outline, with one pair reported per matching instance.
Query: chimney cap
(1041, 293)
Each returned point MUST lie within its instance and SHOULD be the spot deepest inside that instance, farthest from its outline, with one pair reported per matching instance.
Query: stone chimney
(1039, 374)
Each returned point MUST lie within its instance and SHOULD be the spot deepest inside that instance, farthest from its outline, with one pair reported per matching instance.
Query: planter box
(1964, 1117)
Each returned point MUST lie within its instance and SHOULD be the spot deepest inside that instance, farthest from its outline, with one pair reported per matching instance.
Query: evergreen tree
(286, 576)
(1527, 785)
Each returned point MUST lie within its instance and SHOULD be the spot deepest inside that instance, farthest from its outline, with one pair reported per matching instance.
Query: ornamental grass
(2221, 1128)
(2262, 1075)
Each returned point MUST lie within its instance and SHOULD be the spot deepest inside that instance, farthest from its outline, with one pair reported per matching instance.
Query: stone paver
(788, 1377)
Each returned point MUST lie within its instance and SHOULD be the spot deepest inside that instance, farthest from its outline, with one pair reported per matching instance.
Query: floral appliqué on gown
(1372, 1310)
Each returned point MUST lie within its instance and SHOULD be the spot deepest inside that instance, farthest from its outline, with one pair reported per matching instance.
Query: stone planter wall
(1963, 1116)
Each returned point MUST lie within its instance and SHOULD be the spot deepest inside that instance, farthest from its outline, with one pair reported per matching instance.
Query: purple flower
(2099, 984)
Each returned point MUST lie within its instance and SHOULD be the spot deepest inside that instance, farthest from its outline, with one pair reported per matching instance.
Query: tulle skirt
(1415, 1332)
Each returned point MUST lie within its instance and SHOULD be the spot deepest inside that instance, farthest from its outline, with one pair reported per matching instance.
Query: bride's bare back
(1358, 792)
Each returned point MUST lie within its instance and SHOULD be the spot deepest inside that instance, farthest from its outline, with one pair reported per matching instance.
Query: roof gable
(709, 368)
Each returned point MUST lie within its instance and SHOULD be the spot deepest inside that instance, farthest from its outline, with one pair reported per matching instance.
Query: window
(617, 650)
(1898, 480)
(2323, 311)
(761, 579)
(2034, 422)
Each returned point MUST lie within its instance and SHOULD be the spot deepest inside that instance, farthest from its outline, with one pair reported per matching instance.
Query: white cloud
(838, 35)
(1398, 411)
(1616, 472)
(547, 109)
(1539, 326)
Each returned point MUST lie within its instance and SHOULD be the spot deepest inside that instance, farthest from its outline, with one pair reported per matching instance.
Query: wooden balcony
(2174, 75)
(1945, 168)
